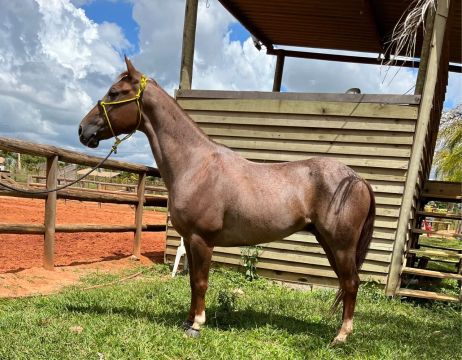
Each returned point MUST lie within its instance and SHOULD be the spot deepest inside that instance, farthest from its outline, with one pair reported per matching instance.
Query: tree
(448, 155)
(32, 162)
(29, 162)
(10, 159)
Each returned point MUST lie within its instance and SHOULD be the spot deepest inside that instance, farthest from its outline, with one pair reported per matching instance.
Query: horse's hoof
(339, 340)
(187, 324)
(192, 333)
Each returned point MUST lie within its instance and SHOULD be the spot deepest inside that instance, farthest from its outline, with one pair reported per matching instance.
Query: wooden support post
(429, 22)
(139, 215)
(427, 99)
(50, 213)
(189, 38)
(278, 73)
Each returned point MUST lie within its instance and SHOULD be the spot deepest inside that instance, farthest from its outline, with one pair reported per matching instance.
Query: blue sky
(118, 12)
(238, 32)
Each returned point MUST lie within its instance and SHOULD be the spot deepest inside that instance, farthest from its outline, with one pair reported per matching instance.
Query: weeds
(249, 257)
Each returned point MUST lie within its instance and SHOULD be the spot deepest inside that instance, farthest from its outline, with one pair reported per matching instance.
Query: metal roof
(352, 25)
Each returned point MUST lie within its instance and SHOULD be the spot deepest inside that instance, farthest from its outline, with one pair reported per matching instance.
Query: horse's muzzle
(89, 136)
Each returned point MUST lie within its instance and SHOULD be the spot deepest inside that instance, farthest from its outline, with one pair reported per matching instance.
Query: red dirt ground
(19, 252)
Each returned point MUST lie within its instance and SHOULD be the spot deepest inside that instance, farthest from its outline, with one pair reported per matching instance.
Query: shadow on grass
(399, 333)
(242, 319)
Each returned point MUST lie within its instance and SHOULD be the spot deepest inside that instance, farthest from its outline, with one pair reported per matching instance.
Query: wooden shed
(388, 139)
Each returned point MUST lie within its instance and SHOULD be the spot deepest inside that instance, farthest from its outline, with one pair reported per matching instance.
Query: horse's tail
(366, 233)
(363, 244)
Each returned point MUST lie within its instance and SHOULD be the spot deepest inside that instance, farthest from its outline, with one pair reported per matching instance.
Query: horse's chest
(196, 215)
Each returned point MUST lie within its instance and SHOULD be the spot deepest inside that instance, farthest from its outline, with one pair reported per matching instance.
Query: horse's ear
(130, 68)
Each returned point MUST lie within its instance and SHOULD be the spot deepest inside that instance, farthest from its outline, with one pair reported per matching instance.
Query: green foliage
(249, 256)
(226, 305)
(28, 162)
(141, 319)
(448, 156)
(10, 159)
(128, 177)
(226, 301)
(31, 162)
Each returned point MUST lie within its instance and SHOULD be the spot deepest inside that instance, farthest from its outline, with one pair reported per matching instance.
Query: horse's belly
(246, 231)
(269, 217)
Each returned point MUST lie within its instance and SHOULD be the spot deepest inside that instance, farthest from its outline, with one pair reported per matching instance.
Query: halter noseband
(143, 83)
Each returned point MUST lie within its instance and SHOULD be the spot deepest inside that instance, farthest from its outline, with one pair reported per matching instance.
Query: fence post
(139, 215)
(50, 213)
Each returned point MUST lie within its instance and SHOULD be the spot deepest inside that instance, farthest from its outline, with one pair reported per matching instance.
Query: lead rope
(24, 191)
(143, 83)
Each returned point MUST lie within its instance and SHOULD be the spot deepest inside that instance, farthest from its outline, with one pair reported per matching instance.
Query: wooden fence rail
(50, 228)
(98, 184)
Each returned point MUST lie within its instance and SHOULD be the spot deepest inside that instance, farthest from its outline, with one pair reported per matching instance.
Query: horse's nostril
(80, 130)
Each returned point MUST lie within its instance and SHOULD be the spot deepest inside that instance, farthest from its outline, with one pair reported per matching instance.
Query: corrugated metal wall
(372, 137)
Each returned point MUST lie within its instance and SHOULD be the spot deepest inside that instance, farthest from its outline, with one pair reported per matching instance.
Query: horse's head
(119, 112)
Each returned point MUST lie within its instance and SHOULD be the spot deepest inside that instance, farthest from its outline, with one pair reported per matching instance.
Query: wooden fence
(49, 228)
(373, 134)
(37, 180)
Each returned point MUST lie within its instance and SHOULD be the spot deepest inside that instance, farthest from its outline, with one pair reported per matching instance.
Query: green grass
(441, 242)
(452, 243)
(140, 319)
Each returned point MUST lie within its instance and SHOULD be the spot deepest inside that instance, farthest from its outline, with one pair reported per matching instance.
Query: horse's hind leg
(344, 265)
(326, 248)
(349, 283)
(201, 257)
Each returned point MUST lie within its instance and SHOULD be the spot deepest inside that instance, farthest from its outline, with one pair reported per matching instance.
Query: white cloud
(218, 62)
(160, 34)
(329, 76)
(54, 64)
(113, 34)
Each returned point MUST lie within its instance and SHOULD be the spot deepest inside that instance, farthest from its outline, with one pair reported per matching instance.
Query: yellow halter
(143, 83)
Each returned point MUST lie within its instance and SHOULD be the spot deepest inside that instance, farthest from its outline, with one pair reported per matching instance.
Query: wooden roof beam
(349, 58)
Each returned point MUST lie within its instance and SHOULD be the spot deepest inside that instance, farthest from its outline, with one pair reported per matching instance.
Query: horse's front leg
(200, 258)
(192, 309)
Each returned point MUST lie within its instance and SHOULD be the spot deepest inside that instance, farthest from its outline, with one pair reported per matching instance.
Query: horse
(218, 198)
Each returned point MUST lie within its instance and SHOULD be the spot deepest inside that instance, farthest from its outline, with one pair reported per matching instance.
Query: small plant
(226, 305)
(249, 257)
(226, 302)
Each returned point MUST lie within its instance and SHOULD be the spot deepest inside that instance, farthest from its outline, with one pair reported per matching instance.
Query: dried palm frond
(404, 36)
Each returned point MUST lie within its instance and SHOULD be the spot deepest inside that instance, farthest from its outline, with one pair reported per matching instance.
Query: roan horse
(218, 198)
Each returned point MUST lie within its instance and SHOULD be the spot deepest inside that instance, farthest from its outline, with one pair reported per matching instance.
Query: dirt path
(20, 252)
(38, 281)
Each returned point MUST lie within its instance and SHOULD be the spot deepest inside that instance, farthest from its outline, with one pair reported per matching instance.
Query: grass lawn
(452, 243)
(140, 319)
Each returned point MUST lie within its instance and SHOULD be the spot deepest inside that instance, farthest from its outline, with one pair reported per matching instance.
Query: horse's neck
(175, 140)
